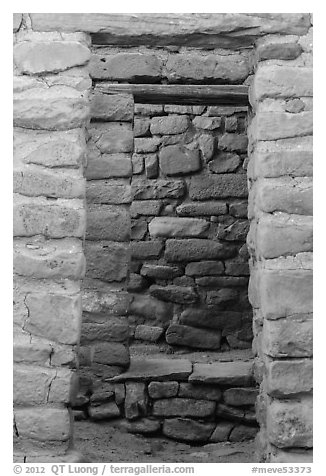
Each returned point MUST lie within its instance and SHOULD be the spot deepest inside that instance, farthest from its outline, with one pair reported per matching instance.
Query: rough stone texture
(163, 389)
(218, 186)
(112, 138)
(126, 66)
(185, 429)
(201, 392)
(273, 126)
(156, 189)
(171, 124)
(183, 407)
(135, 403)
(107, 260)
(156, 369)
(177, 227)
(195, 249)
(177, 294)
(108, 222)
(223, 373)
(286, 378)
(202, 209)
(176, 160)
(112, 107)
(240, 396)
(43, 56)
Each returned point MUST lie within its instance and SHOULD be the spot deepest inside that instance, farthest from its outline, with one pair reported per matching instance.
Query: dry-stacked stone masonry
(151, 343)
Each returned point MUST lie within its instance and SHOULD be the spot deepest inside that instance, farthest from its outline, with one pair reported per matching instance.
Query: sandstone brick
(146, 249)
(111, 192)
(43, 424)
(107, 260)
(229, 69)
(106, 411)
(41, 258)
(230, 413)
(280, 50)
(218, 186)
(286, 378)
(286, 195)
(204, 268)
(137, 164)
(224, 163)
(110, 329)
(207, 145)
(54, 316)
(193, 337)
(138, 229)
(283, 234)
(145, 208)
(31, 351)
(113, 137)
(146, 144)
(183, 407)
(156, 369)
(111, 353)
(148, 333)
(290, 423)
(112, 107)
(240, 396)
(242, 433)
(151, 166)
(163, 389)
(195, 249)
(172, 124)
(50, 149)
(225, 110)
(233, 142)
(177, 227)
(202, 209)
(126, 66)
(276, 163)
(236, 268)
(221, 432)
(35, 57)
(54, 219)
(136, 400)
(186, 429)
(239, 209)
(291, 337)
(285, 292)
(159, 271)
(211, 319)
(34, 181)
(156, 189)
(223, 373)
(177, 294)
(55, 108)
(231, 124)
(154, 310)
(237, 231)
(108, 222)
(31, 384)
(281, 125)
(281, 81)
(199, 392)
(103, 298)
(207, 123)
(222, 297)
(177, 160)
(141, 126)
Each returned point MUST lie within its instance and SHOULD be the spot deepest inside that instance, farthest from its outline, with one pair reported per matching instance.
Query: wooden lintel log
(180, 94)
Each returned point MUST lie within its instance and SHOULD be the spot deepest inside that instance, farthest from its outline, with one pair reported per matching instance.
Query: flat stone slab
(156, 369)
(223, 373)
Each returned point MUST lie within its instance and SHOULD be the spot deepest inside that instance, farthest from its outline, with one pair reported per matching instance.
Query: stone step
(155, 369)
(223, 373)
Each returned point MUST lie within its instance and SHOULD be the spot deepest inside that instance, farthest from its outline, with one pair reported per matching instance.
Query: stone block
(286, 378)
(146, 249)
(136, 283)
(230, 413)
(223, 373)
(55, 108)
(108, 222)
(138, 229)
(106, 411)
(34, 181)
(32, 384)
(196, 249)
(223, 297)
(137, 164)
(149, 109)
(233, 142)
(156, 311)
(126, 67)
(285, 292)
(283, 50)
(151, 166)
(242, 433)
(199, 392)
(108, 166)
(141, 126)
(54, 316)
(291, 456)
(289, 423)
(113, 137)
(193, 337)
(289, 195)
(43, 423)
(145, 208)
(207, 123)
(238, 397)
(207, 144)
(50, 149)
(177, 160)
(218, 186)
(108, 329)
(185, 429)
(239, 209)
(53, 219)
(221, 432)
(136, 400)
(204, 268)
(145, 370)
(112, 107)
(161, 390)
(281, 125)
(283, 234)
(107, 260)
(159, 271)
(166, 125)
(177, 227)
(148, 333)
(173, 293)
(40, 258)
(231, 124)
(224, 163)
(157, 189)
(276, 163)
(35, 57)
(271, 81)
(237, 231)
(193, 209)
(237, 268)
(291, 337)
(183, 407)
(110, 192)
(212, 319)
(34, 351)
(111, 353)
(144, 145)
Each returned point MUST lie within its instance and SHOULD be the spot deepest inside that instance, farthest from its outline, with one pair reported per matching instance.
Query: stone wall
(280, 243)
(50, 113)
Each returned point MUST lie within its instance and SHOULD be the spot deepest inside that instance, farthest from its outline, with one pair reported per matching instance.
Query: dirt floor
(105, 443)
